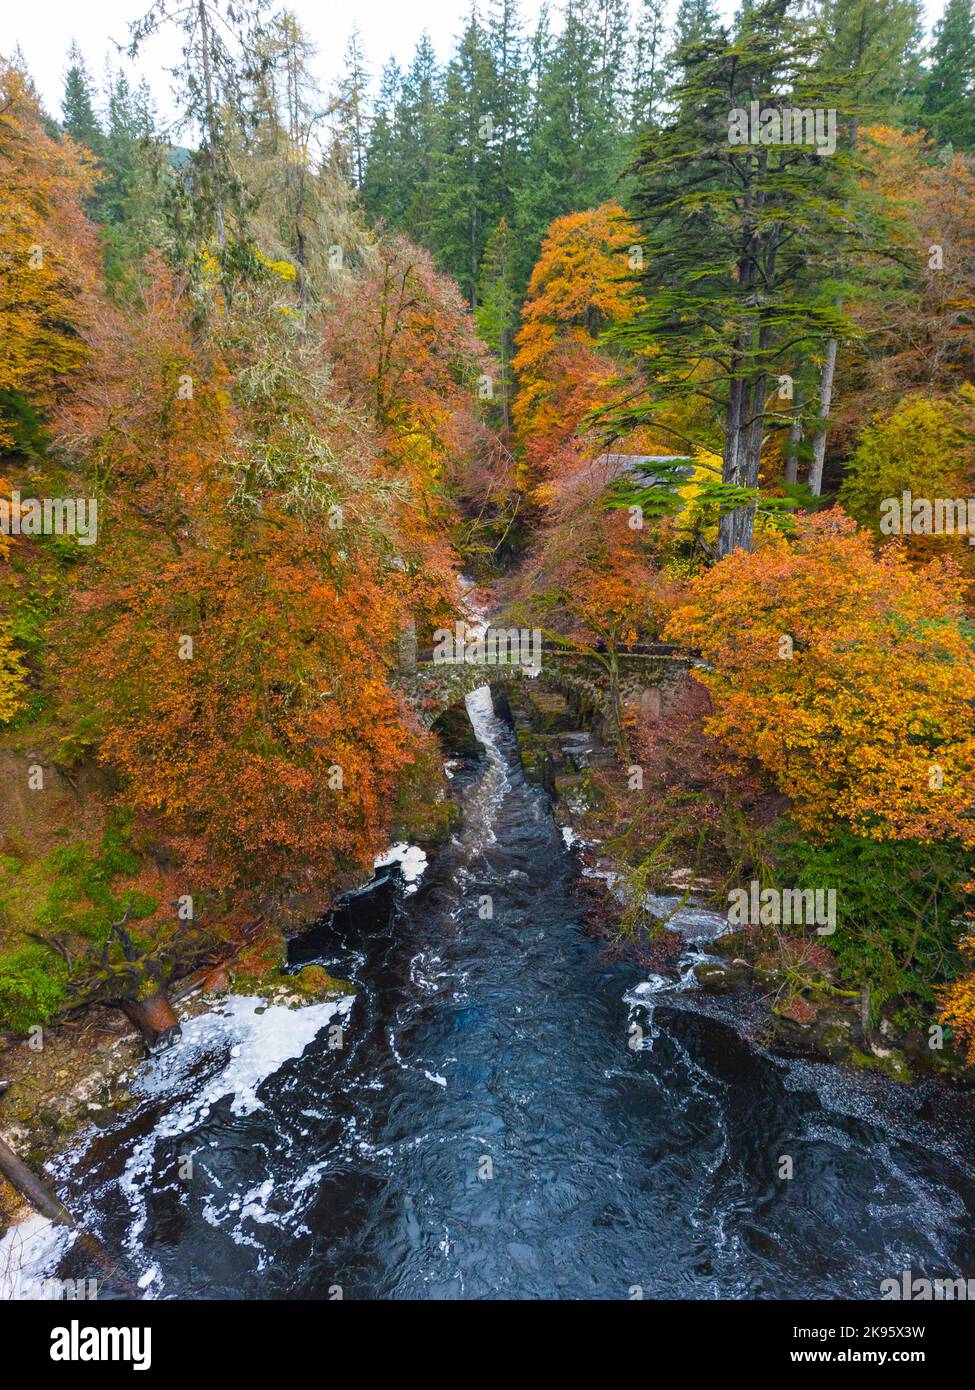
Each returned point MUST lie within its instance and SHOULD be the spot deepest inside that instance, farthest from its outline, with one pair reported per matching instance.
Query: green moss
(894, 1064)
(316, 982)
(578, 792)
(423, 813)
(80, 898)
(312, 981)
(33, 985)
(69, 895)
(532, 749)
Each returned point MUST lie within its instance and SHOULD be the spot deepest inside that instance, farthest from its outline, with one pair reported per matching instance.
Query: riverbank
(83, 1074)
(513, 1110)
(641, 907)
(75, 1069)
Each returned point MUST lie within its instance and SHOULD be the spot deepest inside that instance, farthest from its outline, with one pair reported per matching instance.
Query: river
(483, 1121)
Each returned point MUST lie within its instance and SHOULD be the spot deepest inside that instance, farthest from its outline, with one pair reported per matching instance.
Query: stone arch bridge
(648, 675)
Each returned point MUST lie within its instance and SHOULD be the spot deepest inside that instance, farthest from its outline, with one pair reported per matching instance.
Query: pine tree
(383, 191)
(209, 79)
(352, 111)
(576, 152)
(466, 184)
(696, 22)
(497, 311)
(873, 47)
(948, 95)
(728, 231)
(416, 135)
(77, 105)
(508, 102)
(647, 70)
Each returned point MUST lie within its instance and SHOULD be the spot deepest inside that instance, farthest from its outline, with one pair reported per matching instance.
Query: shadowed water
(485, 1129)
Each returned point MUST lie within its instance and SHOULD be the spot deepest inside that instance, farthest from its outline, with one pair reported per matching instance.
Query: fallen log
(155, 1019)
(30, 1187)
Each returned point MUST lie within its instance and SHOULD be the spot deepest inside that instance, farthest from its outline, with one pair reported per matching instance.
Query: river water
(483, 1120)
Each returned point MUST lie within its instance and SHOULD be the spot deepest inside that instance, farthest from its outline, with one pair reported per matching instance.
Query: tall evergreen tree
(948, 90)
(351, 106)
(384, 194)
(497, 311)
(417, 128)
(78, 106)
(729, 228)
(577, 144)
(873, 47)
(647, 83)
(213, 35)
(696, 22)
(466, 185)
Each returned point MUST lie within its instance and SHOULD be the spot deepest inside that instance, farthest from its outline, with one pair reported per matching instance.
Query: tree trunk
(737, 395)
(31, 1188)
(795, 439)
(155, 1020)
(825, 401)
(211, 123)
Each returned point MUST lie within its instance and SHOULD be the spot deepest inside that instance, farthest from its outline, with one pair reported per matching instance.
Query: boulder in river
(723, 977)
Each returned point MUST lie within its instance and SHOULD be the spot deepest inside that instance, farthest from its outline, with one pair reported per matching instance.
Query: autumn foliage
(849, 676)
(48, 253)
(243, 612)
(580, 285)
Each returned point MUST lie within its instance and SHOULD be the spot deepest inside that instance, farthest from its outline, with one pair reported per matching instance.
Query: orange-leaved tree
(240, 612)
(49, 265)
(850, 676)
(404, 352)
(581, 284)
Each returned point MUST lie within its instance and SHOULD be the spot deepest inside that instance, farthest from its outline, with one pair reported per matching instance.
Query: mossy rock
(719, 978)
(734, 943)
(424, 813)
(893, 1064)
(578, 791)
(768, 976)
(550, 713)
(317, 983)
(533, 749)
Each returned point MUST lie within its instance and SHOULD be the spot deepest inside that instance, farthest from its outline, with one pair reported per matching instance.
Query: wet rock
(456, 733)
(733, 943)
(539, 755)
(719, 977)
(577, 792)
(824, 1032)
(217, 982)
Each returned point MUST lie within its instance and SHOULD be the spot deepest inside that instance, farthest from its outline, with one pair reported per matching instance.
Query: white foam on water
(257, 1038)
(411, 859)
(227, 1052)
(28, 1252)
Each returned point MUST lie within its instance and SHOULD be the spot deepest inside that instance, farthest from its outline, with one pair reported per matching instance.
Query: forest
(661, 332)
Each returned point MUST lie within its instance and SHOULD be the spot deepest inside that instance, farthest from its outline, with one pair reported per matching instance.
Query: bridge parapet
(647, 675)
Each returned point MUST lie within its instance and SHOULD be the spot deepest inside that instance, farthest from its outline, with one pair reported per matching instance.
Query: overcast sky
(44, 29)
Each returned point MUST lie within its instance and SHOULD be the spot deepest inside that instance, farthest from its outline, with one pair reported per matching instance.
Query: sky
(44, 31)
